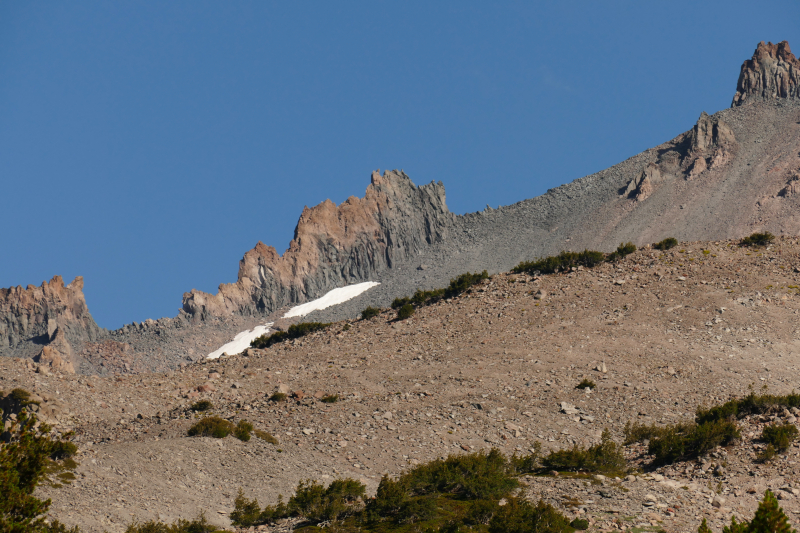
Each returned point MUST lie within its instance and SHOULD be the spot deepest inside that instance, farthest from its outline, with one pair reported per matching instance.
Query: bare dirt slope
(492, 368)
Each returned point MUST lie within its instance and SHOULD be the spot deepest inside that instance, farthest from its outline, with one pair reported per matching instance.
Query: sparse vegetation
(295, 331)
(219, 428)
(278, 397)
(211, 426)
(459, 493)
(267, 437)
(586, 384)
(198, 525)
(202, 405)
(602, 458)
(561, 262)
(370, 312)
(769, 518)
(406, 311)
(26, 455)
(421, 298)
(780, 436)
(758, 239)
(622, 250)
(666, 244)
(330, 398)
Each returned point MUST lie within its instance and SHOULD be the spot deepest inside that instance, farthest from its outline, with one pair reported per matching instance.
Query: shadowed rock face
(40, 314)
(773, 72)
(333, 246)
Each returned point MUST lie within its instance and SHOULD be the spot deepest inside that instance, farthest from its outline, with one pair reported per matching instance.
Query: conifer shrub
(458, 285)
(666, 244)
(780, 436)
(752, 404)
(580, 524)
(602, 458)
(243, 430)
(26, 455)
(278, 397)
(767, 455)
(522, 516)
(406, 311)
(622, 250)
(459, 493)
(683, 441)
(295, 331)
(769, 518)
(267, 437)
(586, 384)
(198, 525)
(758, 239)
(370, 312)
(202, 405)
(211, 426)
(330, 398)
(561, 262)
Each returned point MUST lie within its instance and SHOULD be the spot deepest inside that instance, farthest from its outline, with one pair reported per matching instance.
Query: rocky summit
(643, 389)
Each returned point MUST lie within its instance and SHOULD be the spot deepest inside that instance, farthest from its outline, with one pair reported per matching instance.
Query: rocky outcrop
(773, 72)
(43, 314)
(333, 246)
(57, 355)
(709, 145)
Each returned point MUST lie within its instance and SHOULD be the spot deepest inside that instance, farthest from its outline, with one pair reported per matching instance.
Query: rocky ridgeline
(734, 173)
(333, 246)
(773, 72)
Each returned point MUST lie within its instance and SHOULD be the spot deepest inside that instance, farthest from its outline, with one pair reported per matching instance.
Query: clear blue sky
(147, 145)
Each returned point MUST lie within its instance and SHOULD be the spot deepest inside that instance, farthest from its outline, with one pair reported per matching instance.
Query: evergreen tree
(769, 517)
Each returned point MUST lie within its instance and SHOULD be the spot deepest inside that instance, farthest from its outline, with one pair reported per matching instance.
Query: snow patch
(242, 341)
(336, 296)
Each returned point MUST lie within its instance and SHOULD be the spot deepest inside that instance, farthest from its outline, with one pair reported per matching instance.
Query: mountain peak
(772, 72)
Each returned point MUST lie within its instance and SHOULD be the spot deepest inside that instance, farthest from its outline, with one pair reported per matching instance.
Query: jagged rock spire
(773, 72)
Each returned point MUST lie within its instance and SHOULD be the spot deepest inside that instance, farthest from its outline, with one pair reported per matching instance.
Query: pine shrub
(211, 426)
(295, 331)
(758, 239)
(370, 312)
(202, 405)
(406, 311)
(779, 435)
(586, 384)
(603, 458)
(666, 244)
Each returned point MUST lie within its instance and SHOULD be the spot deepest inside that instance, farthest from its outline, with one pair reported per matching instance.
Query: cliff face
(334, 246)
(773, 72)
(41, 315)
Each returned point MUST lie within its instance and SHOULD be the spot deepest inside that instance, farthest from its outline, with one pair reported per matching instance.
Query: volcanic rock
(773, 72)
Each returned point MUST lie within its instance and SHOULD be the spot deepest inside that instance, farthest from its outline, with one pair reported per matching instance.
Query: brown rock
(772, 72)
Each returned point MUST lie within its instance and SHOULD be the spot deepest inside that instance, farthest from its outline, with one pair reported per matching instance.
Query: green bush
(278, 397)
(243, 430)
(211, 426)
(330, 398)
(603, 458)
(769, 518)
(458, 286)
(198, 525)
(779, 436)
(622, 250)
(263, 435)
(522, 516)
(758, 239)
(752, 404)
(405, 312)
(202, 405)
(370, 312)
(681, 442)
(25, 458)
(666, 244)
(767, 455)
(586, 384)
(295, 331)
(561, 262)
(580, 524)
(312, 501)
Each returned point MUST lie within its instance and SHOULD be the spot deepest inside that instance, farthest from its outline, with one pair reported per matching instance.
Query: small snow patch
(336, 296)
(241, 341)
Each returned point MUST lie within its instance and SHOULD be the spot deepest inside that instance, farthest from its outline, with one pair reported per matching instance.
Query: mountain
(734, 172)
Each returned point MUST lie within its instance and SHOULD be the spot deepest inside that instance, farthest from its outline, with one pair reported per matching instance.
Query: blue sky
(147, 145)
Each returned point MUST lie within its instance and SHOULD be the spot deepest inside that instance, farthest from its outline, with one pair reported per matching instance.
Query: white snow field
(242, 340)
(336, 296)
